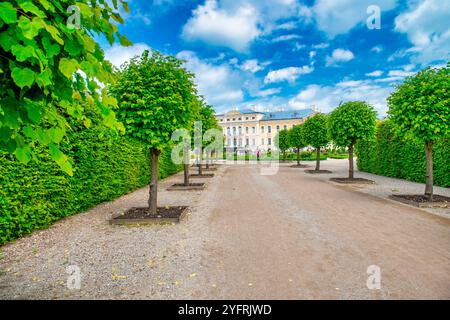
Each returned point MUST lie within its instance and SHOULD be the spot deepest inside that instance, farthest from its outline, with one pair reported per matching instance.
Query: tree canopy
(52, 70)
(282, 141)
(297, 137)
(155, 94)
(420, 106)
(352, 121)
(316, 131)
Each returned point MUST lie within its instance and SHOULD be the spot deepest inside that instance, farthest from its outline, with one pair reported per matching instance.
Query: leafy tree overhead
(349, 123)
(155, 93)
(52, 70)
(209, 121)
(282, 142)
(316, 134)
(420, 107)
(297, 140)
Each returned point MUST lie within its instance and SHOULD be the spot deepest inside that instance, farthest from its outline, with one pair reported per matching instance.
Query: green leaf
(28, 6)
(23, 77)
(7, 12)
(68, 67)
(30, 29)
(43, 79)
(22, 53)
(23, 154)
(54, 33)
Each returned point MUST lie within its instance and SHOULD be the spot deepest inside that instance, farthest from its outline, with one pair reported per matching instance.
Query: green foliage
(282, 141)
(351, 122)
(297, 137)
(42, 59)
(389, 154)
(420, 106)
(155, 93)
(106, 166)
(316, 131)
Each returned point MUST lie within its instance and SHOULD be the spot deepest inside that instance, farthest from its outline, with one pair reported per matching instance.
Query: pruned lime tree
(297, 140)
(350, 122)
(51, 70)
(207, 121)
(420, 108)
(316, 134)
(154, 93)
(282, 142)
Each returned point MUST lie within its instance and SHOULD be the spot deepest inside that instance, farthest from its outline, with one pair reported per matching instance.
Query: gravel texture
(288, 236)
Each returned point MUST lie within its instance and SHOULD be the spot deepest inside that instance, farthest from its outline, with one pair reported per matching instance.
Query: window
(246, 130)
(234, 119)
(234, 131)
(253, 130)
(253, 142)
(269, 141)
(269, 129)
(253, 118)
(228, 131)
(240, 142)
(239, 119)
(285, 127)
(278, 128)
(262, 130)
(246, 118)
(246, 142)
(240, 130)
(262, 141)
(229, 142)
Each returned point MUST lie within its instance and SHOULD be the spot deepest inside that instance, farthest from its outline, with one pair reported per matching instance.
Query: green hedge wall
(106, 166)
(389, 155)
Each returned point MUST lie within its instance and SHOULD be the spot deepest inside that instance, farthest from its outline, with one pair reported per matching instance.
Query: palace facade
(251, 130)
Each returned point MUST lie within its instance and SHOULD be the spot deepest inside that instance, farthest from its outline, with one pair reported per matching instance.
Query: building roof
(287, 114)
(279, 115)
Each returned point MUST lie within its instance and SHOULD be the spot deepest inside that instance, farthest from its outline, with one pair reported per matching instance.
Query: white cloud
(253, 65)
(117, 54)
(326, 98)
(338, 17)
(377, 49)
(400, 73)
(322, 45)
(339, 55)
(426, 23)
(220, 85)
(213, 25)
(286, 37)
(290, 74)
(375, 73)
(267, 92)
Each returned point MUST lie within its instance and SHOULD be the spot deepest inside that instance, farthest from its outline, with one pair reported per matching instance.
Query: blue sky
(291, 54)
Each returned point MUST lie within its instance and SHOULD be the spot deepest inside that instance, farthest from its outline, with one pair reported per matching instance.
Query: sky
(291, 54)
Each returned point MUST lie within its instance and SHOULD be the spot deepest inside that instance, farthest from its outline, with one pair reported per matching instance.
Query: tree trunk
(153, 192)
(200, 158)
(187, 163)
(350, 162)
(298, 156)
(429, 176)
(207, 160)
(317, 159)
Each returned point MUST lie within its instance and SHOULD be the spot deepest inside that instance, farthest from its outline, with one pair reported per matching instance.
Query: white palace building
(251, 130)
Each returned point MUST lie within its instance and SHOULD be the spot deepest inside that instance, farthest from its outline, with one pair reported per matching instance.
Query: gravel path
(287, 236)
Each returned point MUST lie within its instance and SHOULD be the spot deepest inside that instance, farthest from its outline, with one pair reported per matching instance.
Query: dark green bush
(106, 166)
(389, 155)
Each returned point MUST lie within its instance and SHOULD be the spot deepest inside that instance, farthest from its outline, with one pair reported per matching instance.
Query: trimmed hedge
(106, 166)
(389, 155)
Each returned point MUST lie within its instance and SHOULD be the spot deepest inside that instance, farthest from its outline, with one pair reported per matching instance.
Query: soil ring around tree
(422, 201)
(318, 171)
(352, 181)
(209, 169)
(205, 175)
(300, 166)
(183, 187)
(140, 216)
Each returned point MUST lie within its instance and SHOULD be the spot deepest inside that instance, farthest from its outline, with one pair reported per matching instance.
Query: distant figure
(258, 153)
